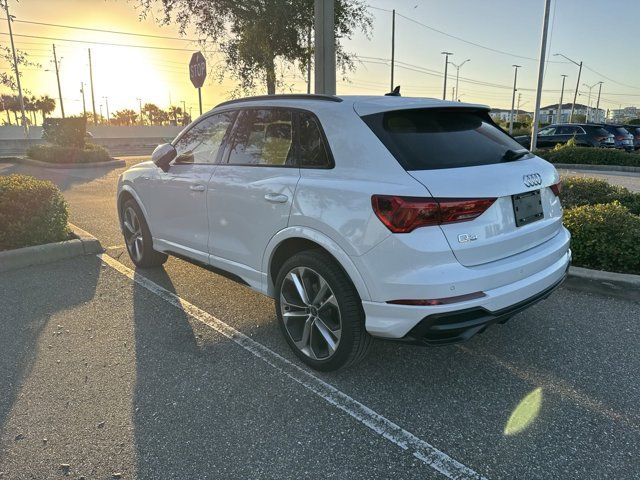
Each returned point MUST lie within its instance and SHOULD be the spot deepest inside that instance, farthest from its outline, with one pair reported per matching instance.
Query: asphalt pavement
(554, 393)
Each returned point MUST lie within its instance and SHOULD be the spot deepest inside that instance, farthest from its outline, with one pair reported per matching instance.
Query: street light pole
(559, 115)
(446, 66)
(598, 102)
(93, 100)
(513, 97)
(84, 105)
(140, 105)
(325, 51)
(55, 60)
(457, 90)
(543, 51)
(393, 44)
(106, 102)
(17, 73)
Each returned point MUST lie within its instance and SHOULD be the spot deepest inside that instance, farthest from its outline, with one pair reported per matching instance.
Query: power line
(117, 32)
(103, 43)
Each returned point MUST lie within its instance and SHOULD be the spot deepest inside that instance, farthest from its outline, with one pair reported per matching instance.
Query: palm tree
(46, 105)
(6, 101)
(124, 117)
(175, 112)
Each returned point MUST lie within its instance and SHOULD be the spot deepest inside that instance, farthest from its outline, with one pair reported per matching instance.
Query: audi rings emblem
(532, 179)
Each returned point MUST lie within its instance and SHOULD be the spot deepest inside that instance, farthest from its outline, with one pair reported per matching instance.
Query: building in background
(503, 115)
(549, 114)
(622, 115)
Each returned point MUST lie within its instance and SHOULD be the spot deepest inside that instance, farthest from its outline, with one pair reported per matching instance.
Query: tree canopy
(252, 35)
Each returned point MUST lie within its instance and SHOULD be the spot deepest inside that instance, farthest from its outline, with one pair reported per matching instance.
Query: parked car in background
(402, 218)
(635, 131)
(584, 134)
(623, 139)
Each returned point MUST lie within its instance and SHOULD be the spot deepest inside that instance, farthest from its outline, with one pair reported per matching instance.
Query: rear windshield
(601, 131)
(426, 139)
(621, 131)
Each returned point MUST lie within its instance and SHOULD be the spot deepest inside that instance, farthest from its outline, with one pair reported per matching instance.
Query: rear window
(601, 131)
(621, 131)
(427, 139)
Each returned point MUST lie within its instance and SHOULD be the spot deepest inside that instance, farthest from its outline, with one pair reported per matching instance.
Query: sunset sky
(604, 34)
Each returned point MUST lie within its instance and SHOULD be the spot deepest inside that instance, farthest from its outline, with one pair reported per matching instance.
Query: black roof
(288, 96)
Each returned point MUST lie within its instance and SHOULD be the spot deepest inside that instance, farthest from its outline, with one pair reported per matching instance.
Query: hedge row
(590, 156)
(579, 191)
(57, 154)
(32, 212)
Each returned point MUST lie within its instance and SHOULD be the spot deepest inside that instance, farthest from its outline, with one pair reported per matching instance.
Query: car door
(179, 196)
(250, 195)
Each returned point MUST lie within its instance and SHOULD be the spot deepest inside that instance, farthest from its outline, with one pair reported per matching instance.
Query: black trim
(292, 96)
(459, 326)
(211, 268)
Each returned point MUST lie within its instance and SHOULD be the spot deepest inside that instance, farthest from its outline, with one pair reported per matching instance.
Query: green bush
(65, 132)
(605, 237)
(579, 191)
(57, 154)
(32, 212)
(589, 156)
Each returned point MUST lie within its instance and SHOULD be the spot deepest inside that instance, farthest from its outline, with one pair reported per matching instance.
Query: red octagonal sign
(197, 69)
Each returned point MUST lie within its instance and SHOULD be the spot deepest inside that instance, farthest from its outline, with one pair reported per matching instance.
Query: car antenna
(394, 93)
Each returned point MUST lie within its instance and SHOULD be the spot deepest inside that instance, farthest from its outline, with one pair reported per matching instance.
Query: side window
(566, 130)
(202, 142)
(263, 137)
(313, 152)
(547, 131)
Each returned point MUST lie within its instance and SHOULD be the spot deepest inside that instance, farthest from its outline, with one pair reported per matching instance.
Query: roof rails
(289, 96)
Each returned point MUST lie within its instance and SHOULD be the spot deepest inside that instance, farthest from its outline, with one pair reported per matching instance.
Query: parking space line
(379, 424)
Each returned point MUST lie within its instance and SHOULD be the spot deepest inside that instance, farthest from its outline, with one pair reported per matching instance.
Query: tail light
(600, 139)
(556, 188)
(620, 137)
(405, 214)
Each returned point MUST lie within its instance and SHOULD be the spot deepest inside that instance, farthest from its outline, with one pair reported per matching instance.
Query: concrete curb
(84, 244)
(597, 168)
(37, 163)
(620, 285)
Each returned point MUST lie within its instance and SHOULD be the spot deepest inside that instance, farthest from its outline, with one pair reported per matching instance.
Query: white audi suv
(409, 219)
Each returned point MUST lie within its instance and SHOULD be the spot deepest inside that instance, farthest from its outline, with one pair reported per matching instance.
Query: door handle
(197, 188)
(276, 198)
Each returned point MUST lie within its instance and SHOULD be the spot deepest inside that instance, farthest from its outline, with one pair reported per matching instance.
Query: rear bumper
(407, 322)
(461, 325)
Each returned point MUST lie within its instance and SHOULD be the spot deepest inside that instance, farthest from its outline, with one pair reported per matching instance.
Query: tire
(137, 237)
(326, 332)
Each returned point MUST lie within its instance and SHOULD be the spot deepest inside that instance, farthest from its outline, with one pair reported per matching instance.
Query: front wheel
(320, 312)
(137, 237)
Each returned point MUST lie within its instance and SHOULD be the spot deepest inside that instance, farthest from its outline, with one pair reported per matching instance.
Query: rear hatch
(459, 153)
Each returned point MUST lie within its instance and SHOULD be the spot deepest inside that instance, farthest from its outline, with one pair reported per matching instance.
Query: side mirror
(163, 155)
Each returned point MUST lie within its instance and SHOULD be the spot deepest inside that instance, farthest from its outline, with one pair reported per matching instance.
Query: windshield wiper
(512, 155)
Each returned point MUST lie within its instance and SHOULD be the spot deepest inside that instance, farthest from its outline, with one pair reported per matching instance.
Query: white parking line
(384, 427)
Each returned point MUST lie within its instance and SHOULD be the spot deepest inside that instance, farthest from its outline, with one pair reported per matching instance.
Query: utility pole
(446, 66)
(325, 51)
(589, 109)
(513, 97)
(309, 60)
(575, 94)
(559, 115)
(106, 102)
(543, 51)
(598, 102)
(457, 95)
(393, 44)
(140, 104)
(55, 60)
(84, 105)
(93, 100)
(518, 107)
(101, 113)
(17, 73)
(184, 110)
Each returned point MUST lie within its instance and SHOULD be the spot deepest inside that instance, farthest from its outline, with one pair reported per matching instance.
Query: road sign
(197, 69)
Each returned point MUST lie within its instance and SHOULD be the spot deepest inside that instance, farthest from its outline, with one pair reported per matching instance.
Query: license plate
(527, 207)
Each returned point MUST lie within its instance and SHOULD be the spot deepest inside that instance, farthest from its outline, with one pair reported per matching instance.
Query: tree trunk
(271, 77)
(8, 117)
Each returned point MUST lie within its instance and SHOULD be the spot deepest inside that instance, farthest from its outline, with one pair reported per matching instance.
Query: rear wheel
(320, 312)
(137, 237)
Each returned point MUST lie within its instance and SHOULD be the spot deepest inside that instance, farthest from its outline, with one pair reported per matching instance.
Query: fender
(126, 187)
(324, 241)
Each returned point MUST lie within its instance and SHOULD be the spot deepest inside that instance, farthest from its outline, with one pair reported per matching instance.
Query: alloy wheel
(133, 234)
(310, 313)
